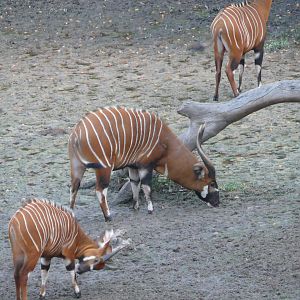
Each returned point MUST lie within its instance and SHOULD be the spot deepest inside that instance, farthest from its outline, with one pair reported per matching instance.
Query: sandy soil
(60, 59)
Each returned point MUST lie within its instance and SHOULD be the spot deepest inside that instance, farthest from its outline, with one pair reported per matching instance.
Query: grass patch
(233, 186)
(284, 35)
(162, 183)
(277, 44)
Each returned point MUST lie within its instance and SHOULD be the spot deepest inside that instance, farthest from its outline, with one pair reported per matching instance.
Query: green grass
(277, 44)
(233, 186)
(283, 40)
(162, 183)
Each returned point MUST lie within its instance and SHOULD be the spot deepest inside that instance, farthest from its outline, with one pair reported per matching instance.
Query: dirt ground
(60, 59)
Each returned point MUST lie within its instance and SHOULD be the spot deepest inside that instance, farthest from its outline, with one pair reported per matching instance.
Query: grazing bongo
(238, 29)
(112, 138)
(43, 229)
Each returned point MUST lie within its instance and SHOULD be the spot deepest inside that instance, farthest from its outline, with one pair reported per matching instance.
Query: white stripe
(227, 31)
(106, 134)
(99, 142)
(233, 29)
(57, 220)
(255, 23)
(91, 148)
(50, 223)
(118, 133)
(153, 134)
(20, 231)
(79, 155)
(250, 29)
(259, 18)
(238, 23)
(127, 157)
(140, 130)
(40, 224)
(110, 127)
(149, 133)
(216, 19)
(157, 139)
(124, 135)
(26, 226)
(244, 31)
(140, 127)
(137, 136)
(56, 235)
(144, 127)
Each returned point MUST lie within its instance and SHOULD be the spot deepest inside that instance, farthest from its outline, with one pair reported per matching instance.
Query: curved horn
(206, 160)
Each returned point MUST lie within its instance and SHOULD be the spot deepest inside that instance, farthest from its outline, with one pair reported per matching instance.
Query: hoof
(77, 295)
(136, 207)
(216, 98)
(236, 94)
(108, 219)
(42, 297)
(150, 212)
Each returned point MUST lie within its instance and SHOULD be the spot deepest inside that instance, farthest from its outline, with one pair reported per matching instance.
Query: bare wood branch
(218, 116)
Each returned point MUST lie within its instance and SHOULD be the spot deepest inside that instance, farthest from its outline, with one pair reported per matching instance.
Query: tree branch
(218, 116)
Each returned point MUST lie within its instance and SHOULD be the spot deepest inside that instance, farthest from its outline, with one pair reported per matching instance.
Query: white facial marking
(204, 192)
(89, 258)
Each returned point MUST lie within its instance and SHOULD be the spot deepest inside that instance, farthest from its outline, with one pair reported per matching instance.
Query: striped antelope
(43, 229)
(112, 138)
(238, 29)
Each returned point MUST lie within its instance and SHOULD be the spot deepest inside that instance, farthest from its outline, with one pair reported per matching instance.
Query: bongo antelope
(238, 29)
(43, 229)
(112, 138)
